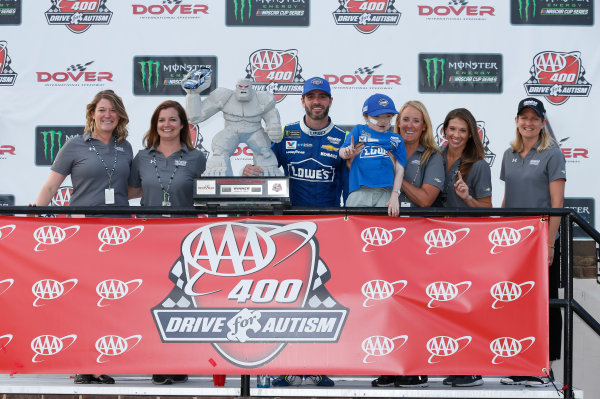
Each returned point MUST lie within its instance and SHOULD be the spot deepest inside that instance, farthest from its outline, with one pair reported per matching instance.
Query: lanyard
(110, 174)
(166, 196)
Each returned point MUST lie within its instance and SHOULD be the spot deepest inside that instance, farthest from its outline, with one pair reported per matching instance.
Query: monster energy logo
(524, 8)
(435, 64)
(51, 137)
(149, 71)
(239, 9)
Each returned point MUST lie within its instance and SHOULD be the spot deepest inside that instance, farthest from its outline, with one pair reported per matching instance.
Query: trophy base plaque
(254, 191)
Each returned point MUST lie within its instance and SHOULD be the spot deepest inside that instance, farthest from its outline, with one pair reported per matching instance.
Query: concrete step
(34, 386)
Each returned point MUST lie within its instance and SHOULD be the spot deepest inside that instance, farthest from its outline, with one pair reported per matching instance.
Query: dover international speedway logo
(7, 75)
(78, 15)
(249, 289)
(267, 12)
(366, 15)
(557, 76)
(552, 12)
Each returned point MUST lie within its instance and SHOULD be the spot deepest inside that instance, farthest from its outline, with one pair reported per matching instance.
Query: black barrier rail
(568, 218)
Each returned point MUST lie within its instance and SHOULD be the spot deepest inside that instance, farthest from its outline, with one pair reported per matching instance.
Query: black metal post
(245, 386)
(566, 243)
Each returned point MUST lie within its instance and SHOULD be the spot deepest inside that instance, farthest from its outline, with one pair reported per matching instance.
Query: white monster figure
(243, 110)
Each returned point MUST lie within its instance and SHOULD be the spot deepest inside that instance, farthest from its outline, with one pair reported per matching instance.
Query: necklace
(166, 196)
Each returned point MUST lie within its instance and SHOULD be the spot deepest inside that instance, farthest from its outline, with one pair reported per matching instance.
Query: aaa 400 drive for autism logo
(366, 15)
(78, 15)
(557, 76)
(249, 289)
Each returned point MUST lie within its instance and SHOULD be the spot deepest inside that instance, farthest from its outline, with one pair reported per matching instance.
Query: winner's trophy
(244, 111)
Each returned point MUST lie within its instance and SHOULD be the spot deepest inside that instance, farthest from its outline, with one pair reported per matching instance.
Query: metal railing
(568, 218)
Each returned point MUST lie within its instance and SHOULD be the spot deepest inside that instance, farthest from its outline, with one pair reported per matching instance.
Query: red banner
(300, 295)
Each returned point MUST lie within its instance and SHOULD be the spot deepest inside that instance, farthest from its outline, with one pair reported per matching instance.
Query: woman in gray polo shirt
(424, 172)
(99, 163)
(468, 181)
(534, 173)
(163, 173)
(422, 183)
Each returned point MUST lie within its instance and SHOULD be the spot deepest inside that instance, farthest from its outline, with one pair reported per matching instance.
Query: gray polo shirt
(432, 172)
(88, 175)
(527, 180)
(479, 182)
(190, 165)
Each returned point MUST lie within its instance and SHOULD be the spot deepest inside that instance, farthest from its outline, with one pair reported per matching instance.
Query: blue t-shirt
(373, 167)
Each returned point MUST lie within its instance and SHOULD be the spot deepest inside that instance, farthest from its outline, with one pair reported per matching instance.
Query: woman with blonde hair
(98, 162)
(424, 172)
(422, 183)
(534, 175)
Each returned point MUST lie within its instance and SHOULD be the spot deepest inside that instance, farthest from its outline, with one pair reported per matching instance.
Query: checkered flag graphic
(79, 67)
(54, 7)
(172, 1)
(7, 68)
(102, 6)
(458, 2)
(367, 70)
(342, 7)
(318, 296)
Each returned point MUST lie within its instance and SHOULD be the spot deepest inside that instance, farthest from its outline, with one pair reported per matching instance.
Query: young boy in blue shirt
(376, 157)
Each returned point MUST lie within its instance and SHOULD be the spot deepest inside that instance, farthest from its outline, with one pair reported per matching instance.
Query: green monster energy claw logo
(524, 8)
(149, 71)
(51, 137)
(239, 9)
(432, 65)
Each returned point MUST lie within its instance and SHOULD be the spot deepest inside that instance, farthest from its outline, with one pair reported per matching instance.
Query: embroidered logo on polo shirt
(180, 163)
(534, 162)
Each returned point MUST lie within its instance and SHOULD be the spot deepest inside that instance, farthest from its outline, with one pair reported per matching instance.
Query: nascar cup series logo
(275, 71)
(52, 235)
(112, 290)
(45, 346)
(490, 156)
(379, 290)
(112, 236)
(267, 12)
(366, 15)
(557, 76)
(114, 345)
(507, 347)
(443, 346)
(78, 15)
(240, 283)
(379, 346)
(48, 289)
(507, 237)
(379, 237)
(444, 291)
(444, 238)
(7, 230)
(7, 75)
(508, 291)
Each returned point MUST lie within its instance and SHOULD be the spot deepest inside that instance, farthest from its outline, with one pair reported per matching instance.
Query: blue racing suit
(311, 159)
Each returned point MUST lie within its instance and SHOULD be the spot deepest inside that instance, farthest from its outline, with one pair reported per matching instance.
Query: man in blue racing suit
(309, 155)
(308, 151)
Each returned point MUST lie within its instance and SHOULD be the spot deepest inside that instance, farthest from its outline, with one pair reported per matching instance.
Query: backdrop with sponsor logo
(235, 295)
(480, 54)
